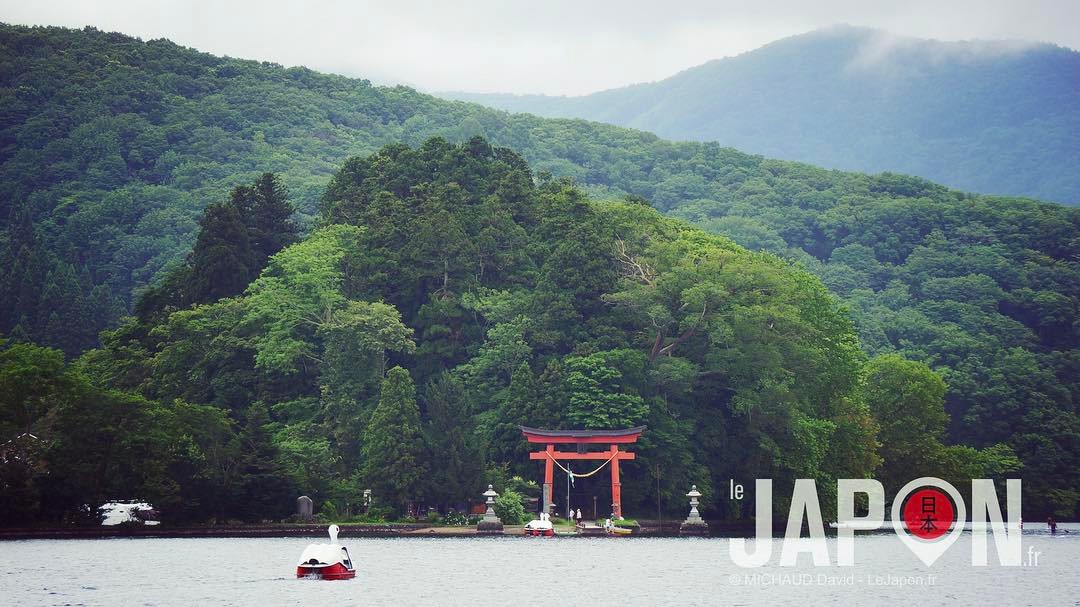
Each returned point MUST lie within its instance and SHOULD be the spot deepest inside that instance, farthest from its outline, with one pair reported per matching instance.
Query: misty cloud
(883, 48)
(554, 47)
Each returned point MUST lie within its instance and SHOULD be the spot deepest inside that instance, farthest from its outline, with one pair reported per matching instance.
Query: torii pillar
(611, 438)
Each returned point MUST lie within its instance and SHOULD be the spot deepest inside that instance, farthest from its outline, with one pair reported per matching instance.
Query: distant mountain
(985, 116)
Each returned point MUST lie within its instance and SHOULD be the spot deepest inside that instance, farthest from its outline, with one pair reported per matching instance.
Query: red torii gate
(612, 438)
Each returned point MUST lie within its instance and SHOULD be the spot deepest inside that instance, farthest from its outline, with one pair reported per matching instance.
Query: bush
(329, 513)
(455, 519)
(329, 510)
(508, 507)
(378, 514)
(522, 486)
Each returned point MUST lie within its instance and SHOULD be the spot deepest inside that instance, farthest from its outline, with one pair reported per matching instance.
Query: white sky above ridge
(557, 47)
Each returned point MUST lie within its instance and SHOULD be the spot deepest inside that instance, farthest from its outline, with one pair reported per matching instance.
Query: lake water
(513, 571)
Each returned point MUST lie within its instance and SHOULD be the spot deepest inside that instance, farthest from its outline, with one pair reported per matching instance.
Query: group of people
(574, 516)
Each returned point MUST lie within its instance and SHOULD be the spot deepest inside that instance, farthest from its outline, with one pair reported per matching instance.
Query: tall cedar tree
(221, 262)
(236, 239)
(268, 217)
(264, 489)
(394, 463)
(457, 465)
(64, 318)
(525, 404)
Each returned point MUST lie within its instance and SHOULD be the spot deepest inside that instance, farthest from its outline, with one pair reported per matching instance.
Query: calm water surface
(521, 571)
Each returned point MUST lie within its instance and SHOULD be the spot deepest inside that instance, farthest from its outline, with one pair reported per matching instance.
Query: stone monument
(490, 524)
(304, 509)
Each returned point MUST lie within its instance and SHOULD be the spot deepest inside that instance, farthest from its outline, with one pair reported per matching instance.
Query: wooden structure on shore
(582, 440)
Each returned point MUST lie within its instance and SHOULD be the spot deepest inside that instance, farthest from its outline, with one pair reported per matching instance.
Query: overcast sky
(538, 46)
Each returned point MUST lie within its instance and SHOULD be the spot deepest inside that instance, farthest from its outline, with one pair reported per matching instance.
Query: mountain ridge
(982, 116)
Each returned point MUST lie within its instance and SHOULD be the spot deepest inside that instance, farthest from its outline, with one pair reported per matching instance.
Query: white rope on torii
(573, 474)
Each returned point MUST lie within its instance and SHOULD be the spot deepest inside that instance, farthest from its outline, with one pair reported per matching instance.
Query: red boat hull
(539, 533)
(336, 571)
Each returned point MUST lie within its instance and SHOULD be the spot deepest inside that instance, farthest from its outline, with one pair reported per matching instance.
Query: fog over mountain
(984, 116)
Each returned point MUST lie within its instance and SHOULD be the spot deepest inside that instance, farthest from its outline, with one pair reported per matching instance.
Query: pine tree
(393, 452)
(222, 257)
(28, 277)
(269, 222)
(457, 467)
(264, 489)
(19, 333)
(235, 241)
(63, 317)
(104, 307)
(522, 406)
(17, 261)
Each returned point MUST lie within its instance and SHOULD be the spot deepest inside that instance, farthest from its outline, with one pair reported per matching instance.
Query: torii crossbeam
(611, 438)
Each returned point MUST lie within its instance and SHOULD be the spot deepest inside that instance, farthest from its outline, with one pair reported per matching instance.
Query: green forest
(176, 332)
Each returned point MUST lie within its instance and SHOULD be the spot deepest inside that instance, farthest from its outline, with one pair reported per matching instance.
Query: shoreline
(717, 529)
(351, 530)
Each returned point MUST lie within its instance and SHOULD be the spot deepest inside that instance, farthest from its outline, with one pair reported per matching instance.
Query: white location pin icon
(928, 551)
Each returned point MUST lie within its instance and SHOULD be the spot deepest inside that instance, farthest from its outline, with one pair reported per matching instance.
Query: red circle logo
(928, 513)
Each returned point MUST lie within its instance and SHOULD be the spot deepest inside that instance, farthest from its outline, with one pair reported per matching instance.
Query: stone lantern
(694, 524)
(490, 524)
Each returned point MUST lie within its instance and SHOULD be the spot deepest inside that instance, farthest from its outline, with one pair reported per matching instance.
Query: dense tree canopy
(78, 445)
(569, 313)
(908, 400)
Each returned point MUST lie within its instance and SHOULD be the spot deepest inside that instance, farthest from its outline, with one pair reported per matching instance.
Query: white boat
(540, 527)
(326, 561)
(116, 513)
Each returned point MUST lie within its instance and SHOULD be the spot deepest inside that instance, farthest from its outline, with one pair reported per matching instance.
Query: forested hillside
(999, 117)
(444, 299)
(111, 149)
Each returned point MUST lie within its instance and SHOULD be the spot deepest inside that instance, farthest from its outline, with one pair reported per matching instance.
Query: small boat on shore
(540, 527)
(612, 529)
(326, 561)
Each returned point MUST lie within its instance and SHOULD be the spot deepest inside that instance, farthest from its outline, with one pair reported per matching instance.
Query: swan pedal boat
(539, 528)
(326, 561)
